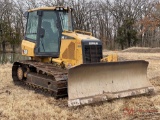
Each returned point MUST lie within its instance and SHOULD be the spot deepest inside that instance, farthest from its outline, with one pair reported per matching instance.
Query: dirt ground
(22, 103)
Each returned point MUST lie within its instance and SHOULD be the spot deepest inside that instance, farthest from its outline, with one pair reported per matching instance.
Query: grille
(92, 53)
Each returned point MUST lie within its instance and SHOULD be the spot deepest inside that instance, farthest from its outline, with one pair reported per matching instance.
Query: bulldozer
(69, 63)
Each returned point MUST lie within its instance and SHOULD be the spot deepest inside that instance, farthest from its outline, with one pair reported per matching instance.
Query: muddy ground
(23, 103)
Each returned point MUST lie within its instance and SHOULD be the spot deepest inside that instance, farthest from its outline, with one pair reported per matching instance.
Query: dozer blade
(90, 83)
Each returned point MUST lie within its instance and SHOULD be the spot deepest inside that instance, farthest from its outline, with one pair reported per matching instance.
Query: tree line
(119, 24)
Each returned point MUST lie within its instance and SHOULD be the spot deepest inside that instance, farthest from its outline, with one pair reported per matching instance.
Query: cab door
(49, 35)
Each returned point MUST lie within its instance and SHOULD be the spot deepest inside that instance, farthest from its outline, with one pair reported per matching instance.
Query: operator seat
(48, 31)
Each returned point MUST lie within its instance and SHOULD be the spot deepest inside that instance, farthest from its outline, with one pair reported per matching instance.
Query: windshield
(66, 21)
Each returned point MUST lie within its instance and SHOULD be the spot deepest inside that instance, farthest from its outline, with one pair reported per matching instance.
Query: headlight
(57, 8)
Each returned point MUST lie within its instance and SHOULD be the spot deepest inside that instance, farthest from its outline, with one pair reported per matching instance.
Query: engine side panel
(28, 48)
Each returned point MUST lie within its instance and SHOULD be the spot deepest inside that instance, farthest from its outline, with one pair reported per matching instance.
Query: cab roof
(48, 8)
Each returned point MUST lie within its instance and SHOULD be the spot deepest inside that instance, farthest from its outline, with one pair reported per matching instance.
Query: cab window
(50, 40)
(32, 25)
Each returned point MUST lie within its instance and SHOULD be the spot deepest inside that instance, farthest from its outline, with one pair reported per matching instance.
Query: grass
(21, 103)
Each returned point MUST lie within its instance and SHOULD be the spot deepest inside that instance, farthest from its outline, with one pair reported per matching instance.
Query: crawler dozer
(68, 62)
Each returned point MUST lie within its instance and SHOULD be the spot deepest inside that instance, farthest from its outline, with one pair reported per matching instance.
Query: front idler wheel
(21, 73)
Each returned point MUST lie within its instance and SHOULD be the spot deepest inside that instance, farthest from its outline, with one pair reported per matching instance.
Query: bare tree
(103, 18)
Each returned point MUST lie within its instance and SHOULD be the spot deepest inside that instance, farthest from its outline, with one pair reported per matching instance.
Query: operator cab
(44, 28)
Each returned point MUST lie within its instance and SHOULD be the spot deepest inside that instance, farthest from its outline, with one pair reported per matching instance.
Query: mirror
(26, 14)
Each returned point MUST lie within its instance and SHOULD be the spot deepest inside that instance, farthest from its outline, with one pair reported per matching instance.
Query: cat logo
(25, 52)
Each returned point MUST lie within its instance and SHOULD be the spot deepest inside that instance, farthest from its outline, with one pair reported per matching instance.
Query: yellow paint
(110, 58)
(70, 50)
(83, 32)
(28, 47)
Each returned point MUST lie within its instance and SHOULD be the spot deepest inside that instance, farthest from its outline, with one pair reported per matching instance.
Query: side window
(32, 25)
(66, 20)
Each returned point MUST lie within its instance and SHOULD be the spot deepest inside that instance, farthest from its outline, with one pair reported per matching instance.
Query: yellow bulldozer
(68, 62)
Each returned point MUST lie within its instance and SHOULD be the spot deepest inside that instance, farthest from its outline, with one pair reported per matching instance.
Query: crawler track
(43, 76)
